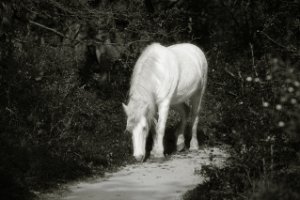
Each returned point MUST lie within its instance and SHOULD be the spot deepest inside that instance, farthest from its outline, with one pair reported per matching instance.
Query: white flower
(266, 104)
(270, 139)
(296, 83)
(256, 80)
(249, 79)
(275, 60)
(281, 124)
(268, 77)
(293, 101)
(278, 107)
(291, 89)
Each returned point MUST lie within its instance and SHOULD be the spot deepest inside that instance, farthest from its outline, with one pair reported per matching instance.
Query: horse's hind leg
(196, 105)
(183, 111)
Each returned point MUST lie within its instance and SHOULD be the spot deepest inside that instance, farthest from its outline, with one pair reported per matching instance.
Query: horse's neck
(140, 92)
(141, 99)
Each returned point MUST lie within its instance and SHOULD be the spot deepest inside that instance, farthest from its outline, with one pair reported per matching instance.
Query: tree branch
(230, 73)
(64, 36)
(47, 28)
(253, 61)
(277, 43)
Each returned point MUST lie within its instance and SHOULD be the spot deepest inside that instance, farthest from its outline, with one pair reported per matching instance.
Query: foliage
(53, 126)
(61, 113)
(60, 105)
(254, 81)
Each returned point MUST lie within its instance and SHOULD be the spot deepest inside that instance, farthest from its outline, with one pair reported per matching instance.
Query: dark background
(65, 67)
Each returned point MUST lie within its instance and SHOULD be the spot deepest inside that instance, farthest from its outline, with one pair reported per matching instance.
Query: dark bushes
(52, 128)
(254, 75)
(58, 121)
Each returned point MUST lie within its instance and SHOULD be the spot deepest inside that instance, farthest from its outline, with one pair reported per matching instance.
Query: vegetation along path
(150, 180)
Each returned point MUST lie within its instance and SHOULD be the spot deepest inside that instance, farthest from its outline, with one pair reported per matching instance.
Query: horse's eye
(144, 128)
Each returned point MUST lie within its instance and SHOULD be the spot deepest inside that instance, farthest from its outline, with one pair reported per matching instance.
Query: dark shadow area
(149, 144)
(202, 138)
(170, 139)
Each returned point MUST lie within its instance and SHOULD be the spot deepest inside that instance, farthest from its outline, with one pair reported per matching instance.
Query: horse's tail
(204, 78)
(203, 81)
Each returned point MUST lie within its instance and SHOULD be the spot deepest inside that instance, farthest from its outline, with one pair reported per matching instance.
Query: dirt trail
(168, 180)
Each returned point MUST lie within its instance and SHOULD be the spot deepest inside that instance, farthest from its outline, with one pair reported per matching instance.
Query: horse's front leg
(158, 148)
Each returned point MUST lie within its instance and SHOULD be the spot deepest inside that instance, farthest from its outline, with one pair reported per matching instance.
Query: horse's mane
(140, 90)
(147, 58)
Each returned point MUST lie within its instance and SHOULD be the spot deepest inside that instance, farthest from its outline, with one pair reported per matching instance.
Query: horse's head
(138, 126)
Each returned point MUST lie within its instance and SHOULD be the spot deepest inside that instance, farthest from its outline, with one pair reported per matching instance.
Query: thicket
(64, 72)
(253, 98)
(65, 68)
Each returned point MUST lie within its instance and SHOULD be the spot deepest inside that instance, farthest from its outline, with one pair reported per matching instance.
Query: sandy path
(167, 180)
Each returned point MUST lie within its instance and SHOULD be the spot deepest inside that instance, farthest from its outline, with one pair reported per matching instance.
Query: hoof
(140, 158)
(194, 146)
(180, 147)
(155, 154)
(180, 143)
(158, 159)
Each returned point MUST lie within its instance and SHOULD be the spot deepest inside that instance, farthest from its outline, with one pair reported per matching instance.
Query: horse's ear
(125, 108)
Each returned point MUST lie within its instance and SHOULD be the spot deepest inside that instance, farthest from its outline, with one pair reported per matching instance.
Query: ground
(169, 179)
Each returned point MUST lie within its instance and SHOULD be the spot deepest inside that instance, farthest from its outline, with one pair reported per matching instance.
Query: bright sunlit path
(166, 180)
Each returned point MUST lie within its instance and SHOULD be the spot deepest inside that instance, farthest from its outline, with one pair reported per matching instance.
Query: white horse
(164, 78)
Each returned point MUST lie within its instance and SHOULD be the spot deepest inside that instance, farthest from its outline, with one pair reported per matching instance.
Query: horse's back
(192, 66)
(173, 72)
(188, 56)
